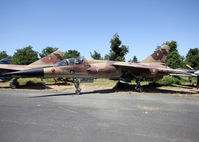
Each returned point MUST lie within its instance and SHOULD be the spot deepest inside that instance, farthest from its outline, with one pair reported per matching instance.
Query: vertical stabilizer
(51, 59)
(159, 56)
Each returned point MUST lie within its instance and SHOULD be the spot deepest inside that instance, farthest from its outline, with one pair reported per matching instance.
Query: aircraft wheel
(14, 85)
(78, 92)
(140, 89)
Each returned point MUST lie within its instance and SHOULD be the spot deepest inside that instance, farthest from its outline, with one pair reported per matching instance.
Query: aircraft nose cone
(38, 72)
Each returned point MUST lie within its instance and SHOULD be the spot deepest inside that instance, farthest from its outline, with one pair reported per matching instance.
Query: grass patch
(103, 82)
(29, 81)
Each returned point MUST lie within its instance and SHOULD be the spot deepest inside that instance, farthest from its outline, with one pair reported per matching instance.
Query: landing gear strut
(138, 88)
(76, 83)
(14, 84)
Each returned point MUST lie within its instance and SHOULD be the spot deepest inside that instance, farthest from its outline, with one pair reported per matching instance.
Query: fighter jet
(5, 61)
(80, 69)
(44, 62)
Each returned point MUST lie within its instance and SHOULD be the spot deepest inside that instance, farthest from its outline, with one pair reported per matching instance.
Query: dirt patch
(147, 107)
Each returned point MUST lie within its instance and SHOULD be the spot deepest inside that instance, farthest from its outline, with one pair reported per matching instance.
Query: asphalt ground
(37, 116)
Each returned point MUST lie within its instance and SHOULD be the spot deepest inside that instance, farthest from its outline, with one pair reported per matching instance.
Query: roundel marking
(153, 71)
(157, 55)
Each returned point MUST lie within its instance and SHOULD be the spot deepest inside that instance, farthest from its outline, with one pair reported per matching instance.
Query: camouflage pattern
(151, 68)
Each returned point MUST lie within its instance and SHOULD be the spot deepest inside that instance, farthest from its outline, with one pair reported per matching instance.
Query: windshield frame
(70, 61)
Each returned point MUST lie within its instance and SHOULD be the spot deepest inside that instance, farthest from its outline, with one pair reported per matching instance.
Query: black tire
(78, 92)
(140, 89)
(14, 85)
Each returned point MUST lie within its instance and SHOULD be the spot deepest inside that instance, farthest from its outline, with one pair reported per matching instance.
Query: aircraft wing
(131, 65)
(186, 75)
(141, 68)
(153, 68)
(8, 68)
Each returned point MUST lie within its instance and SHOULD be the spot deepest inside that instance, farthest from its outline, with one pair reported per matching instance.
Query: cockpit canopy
(70, 61)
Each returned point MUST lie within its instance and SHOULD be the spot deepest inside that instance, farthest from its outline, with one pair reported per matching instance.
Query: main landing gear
(138, 87)
(76, 83)
(14, 84)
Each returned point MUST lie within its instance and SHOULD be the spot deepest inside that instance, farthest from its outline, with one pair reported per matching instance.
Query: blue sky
(88, 25)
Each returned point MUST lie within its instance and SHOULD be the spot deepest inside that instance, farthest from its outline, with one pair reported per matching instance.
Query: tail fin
(51, 59)
(159, 56)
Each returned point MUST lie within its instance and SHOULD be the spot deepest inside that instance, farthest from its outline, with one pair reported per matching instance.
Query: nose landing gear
(138, 87)
(76, 83)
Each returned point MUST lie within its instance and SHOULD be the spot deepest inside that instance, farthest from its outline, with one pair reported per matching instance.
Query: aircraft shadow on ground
(40, 86)
(35, 87)
(130, 88)
(155, 89)
(59, 84)
(105, 91)
(31, 85)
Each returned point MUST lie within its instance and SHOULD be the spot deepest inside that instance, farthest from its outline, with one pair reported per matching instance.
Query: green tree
(96, 55)
(106, 57)
(24, 56)
(173, 45)
(3, 54)
(48, 50)
(118, 51)
(71, 54)
(192, 58)
(134, 60)
(174, 60)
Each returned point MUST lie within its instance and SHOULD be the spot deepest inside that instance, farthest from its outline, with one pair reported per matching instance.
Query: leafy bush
(169, 80)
